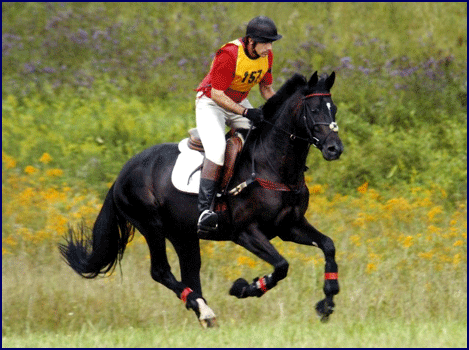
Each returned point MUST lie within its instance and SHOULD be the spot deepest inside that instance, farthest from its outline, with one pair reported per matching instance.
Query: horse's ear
(313, 80)
(330, 81)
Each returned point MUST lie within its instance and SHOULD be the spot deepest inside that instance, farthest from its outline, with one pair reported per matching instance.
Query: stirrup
(208, 221)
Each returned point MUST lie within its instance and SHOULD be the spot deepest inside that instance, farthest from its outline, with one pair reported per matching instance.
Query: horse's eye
(315, 111)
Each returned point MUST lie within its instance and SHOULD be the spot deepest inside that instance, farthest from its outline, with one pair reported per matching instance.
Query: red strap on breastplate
(270, 185)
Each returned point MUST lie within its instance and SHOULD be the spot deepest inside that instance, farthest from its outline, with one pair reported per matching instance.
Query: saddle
(186, 172)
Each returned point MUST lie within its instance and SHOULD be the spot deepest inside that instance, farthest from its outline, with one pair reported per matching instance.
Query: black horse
(272, 201)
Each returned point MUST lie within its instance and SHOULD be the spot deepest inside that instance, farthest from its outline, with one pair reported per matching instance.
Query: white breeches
(211, 120)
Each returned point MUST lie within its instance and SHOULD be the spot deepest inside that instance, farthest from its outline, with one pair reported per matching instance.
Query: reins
(311, 140)
(267, 184)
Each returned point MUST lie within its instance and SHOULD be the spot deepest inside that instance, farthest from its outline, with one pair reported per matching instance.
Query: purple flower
(182, 62)
(29, 68)
(346, 62)
(408, 72)
(365, 71)
(48, 70)
(83, 34)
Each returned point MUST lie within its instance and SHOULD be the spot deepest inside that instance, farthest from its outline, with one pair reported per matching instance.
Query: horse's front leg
(257, 243)
(304, 233)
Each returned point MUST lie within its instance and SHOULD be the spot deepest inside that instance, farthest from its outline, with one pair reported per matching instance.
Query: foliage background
(98, 82)
(85, 86)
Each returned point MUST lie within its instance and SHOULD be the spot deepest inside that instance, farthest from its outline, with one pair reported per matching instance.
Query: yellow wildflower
(458, 243)
(45, 158)
(408, 242)
(54, 172)
(9, 161)
(244, 260)
(456, 260)
(434, 211)
(355, 239)
(370, 268)
(30, 169)
(10, 241)
(316, 189)
(363, 188)
(373, 256)
(427, 255)
(435, 230)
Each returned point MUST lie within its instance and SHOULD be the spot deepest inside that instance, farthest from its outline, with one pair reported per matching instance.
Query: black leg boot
(208, 219)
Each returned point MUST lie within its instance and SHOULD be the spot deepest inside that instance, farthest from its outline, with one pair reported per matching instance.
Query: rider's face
(261, 49)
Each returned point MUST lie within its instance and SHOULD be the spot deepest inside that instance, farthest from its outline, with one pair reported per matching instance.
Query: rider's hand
(254, 114)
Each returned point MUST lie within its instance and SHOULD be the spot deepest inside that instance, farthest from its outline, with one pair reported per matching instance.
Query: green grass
(45, 304)
(273, 333)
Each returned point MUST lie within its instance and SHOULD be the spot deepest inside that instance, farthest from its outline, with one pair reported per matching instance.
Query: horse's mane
(291, 86)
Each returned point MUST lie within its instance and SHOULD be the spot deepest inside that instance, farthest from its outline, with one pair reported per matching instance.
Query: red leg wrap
(331, 276)
(185, 293)
(261, 284)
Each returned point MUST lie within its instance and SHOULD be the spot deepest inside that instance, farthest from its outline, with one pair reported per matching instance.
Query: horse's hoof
(238, 288)
(324, 309)
(207, 317)
(323, 318)
(208, 322)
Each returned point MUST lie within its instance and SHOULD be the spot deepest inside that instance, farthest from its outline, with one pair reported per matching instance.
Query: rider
(221, 99)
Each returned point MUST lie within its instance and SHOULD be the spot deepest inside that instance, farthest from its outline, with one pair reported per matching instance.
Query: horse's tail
(98, 254)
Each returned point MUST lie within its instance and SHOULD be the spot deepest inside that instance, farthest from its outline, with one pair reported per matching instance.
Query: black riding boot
(208, 219)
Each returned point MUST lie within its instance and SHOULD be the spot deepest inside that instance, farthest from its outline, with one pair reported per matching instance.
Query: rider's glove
(254, 114)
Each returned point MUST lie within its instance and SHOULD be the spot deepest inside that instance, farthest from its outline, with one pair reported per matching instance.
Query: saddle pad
(187, 161)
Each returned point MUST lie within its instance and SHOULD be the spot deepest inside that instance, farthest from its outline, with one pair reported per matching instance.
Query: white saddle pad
(183, 177)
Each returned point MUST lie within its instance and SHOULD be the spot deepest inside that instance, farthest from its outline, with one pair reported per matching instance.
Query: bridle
(332, 124)
(307, 115)
(311, 140)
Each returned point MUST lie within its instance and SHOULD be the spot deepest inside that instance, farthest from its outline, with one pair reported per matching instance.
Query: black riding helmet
(262, 30)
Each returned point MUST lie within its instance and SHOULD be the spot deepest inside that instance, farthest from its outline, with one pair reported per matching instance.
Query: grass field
(270, 334)
(47, 305)
(402, 265)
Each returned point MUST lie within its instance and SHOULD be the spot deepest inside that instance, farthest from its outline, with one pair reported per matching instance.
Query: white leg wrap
(207, 317)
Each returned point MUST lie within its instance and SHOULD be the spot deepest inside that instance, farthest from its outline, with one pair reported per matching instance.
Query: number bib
(249, 72)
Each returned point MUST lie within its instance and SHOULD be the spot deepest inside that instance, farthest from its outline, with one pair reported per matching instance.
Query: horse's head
(305, 110)
(316, 116)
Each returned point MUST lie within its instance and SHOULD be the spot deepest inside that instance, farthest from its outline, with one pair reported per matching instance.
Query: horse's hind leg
(257, 243)
(188, 251)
